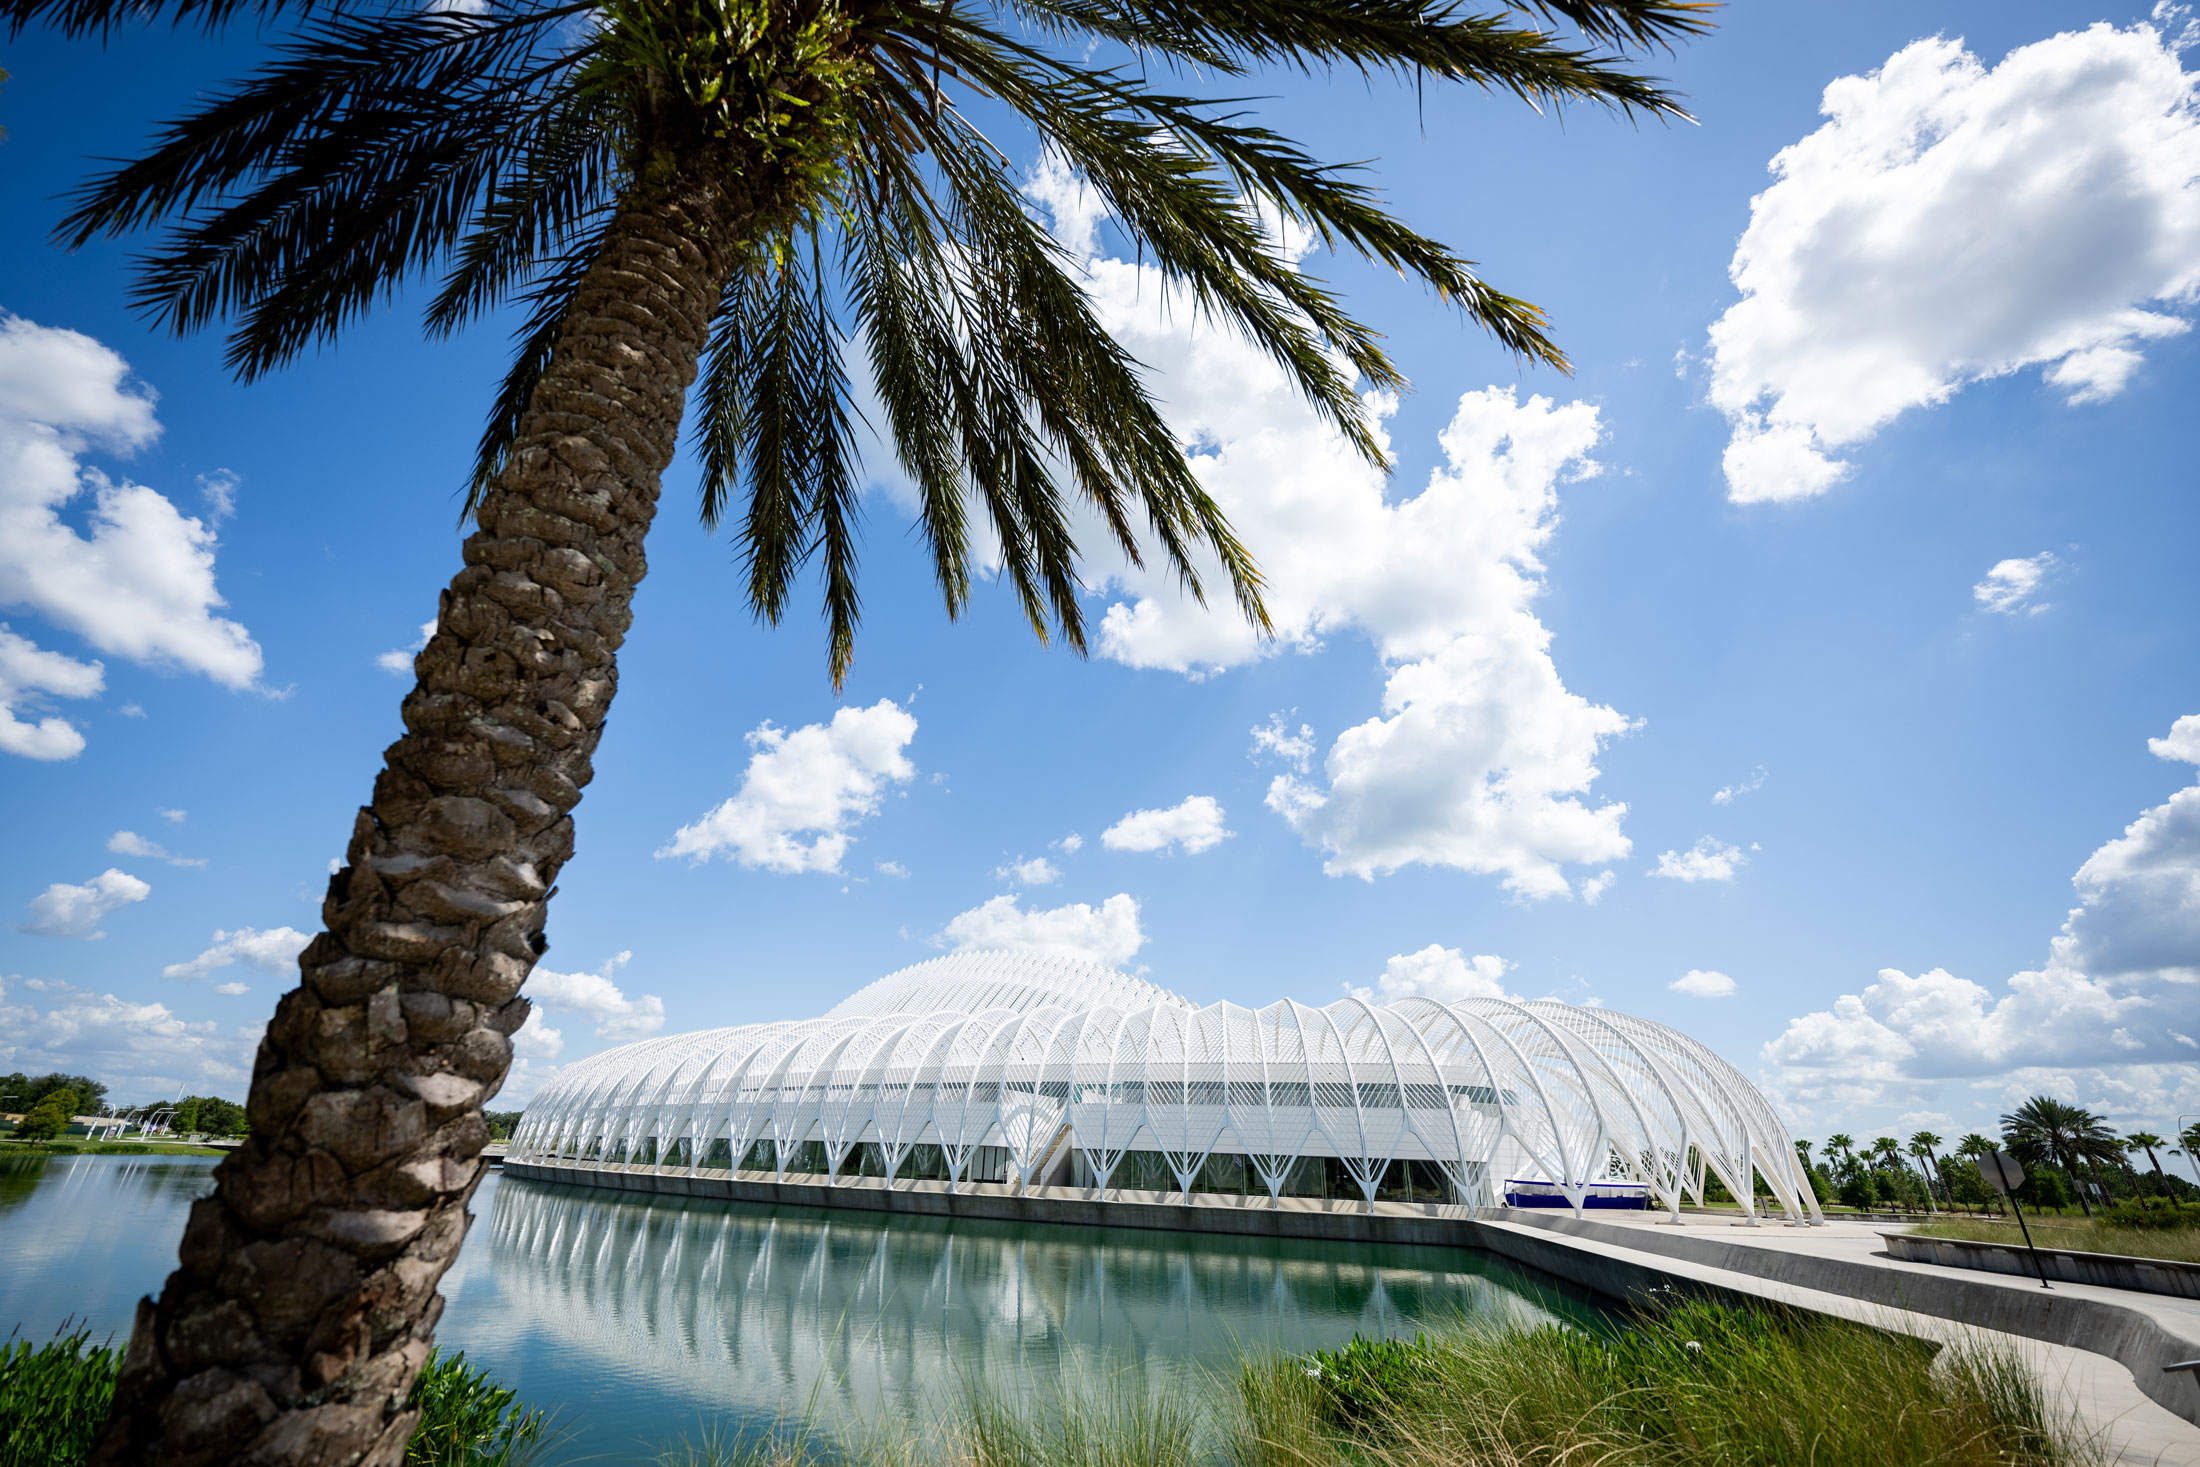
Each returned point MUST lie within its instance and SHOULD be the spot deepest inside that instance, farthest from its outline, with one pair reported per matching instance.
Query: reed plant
(1691, 1384)
(53, 1397)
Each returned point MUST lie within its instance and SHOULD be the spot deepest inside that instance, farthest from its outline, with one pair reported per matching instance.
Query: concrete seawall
(1620, 1260)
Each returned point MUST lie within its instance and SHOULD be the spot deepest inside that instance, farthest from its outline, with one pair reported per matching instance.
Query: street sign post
(2004, 1174)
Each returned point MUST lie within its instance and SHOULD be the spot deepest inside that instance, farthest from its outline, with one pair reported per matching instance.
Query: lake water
(641, 1321)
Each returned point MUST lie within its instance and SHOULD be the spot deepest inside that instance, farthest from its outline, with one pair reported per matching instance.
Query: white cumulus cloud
(66, 909)
(399, 660)
(142, 1048)
(1275, 740)
(598, 998)
(1728, 794)
(2010, 585)
(1192, 825)
(1953, 222)
(2114, 1000)
(1707, 860)
(1480, 757)
(1108, 933)
(1703, 983)
(130, 843)
(140, 584)
(1038, 871)
(28, 671)
(272, 951)
(813, 781)
(1445, 974)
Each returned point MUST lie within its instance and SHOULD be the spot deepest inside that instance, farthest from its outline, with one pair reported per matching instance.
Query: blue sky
(1805, 671)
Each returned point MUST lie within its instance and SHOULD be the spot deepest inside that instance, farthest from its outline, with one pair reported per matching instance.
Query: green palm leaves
(884, 239)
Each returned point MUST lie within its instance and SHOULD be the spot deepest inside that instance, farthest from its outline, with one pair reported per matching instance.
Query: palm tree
(2189, 1138)
(1888, 1151)
(1974, 1145)
(2147, 1142)
(736, 189)
(2044, 1129)
(1841, 1141)
(1922, 1146)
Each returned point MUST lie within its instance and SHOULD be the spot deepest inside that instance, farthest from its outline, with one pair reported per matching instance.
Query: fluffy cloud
(67, 910)
(1192, 826)
(1108, 933)
(273, 951)
(130, 843)
(1444, 974)
(596, 997)
(1480, 755)
(1730, 793)
(1707, 860)
(1275, 740)
(135, 1048)
(536, 1040)
(2009, 587)
(141, 584)
(399, 660)
(1703, 983)
(1951, 223)
(816, 780)
(1593, 888)
(1038, 871)
(2115, 997)
(26, 671)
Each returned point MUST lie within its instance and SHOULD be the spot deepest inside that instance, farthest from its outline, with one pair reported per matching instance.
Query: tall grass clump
(468, 1420)
(1691, 1384)
(53, 1398)
(1119, 1420)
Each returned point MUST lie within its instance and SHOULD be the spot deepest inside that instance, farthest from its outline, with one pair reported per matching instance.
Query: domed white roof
(1020, 981)
(1034, 1054)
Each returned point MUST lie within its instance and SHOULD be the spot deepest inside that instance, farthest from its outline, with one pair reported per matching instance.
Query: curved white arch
(1047, 1059)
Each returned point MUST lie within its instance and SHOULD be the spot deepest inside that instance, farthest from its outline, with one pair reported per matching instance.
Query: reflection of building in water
(1047, 1071)
(769, 1308)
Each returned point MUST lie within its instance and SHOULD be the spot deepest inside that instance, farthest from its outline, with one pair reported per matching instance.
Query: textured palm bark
(306, 1296)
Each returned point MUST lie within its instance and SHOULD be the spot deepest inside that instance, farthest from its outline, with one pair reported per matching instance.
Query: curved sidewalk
(2102, 1349)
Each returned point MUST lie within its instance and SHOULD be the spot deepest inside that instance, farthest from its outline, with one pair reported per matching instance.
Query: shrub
(1860, 1191)
(2153, 1212)
(49, 1118)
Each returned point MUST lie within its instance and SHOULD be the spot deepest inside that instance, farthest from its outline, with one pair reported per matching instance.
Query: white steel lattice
(1042, 1058)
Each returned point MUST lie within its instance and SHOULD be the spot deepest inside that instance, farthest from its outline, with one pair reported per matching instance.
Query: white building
(1038, 1069)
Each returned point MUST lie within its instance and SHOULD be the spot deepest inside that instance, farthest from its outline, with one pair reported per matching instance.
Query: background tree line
(2071, 1157)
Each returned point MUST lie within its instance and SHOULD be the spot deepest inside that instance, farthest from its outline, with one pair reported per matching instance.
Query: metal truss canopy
(1044, 1057)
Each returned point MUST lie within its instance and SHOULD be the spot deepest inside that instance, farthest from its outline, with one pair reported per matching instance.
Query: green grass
(2178, 1245)
(107, 1148)
(1691, 1385)
(54, 1397)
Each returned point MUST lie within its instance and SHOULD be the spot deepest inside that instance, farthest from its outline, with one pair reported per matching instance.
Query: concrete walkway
(2100, 1350)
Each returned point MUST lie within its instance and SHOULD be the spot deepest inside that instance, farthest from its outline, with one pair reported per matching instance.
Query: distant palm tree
(762, 193)
(1922, 1145)
(1889, 1152)
(2147, 1142)
(2045, 1129)
(2189, 1138)
(1802, 1149)
(1841, 1141)
(1975, 1145)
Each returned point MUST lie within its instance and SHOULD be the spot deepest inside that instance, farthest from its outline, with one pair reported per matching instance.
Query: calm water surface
(641, 1320)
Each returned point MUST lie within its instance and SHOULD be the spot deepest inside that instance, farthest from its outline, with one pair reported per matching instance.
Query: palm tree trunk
(306, 1296)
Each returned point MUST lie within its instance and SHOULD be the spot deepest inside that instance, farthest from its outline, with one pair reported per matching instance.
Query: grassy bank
(1690, 1385)
(2178, 1245)
(106, 1148)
